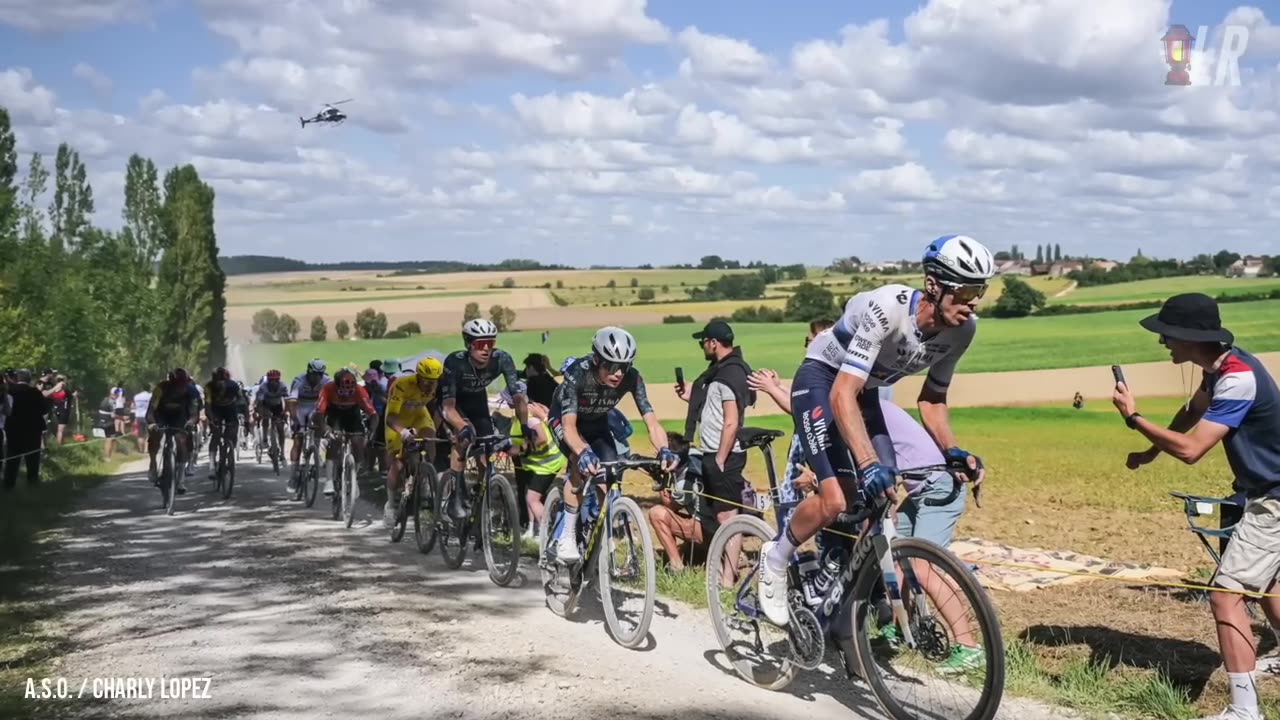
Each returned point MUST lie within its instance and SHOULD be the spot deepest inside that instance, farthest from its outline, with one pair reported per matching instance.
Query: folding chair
(1230, 508)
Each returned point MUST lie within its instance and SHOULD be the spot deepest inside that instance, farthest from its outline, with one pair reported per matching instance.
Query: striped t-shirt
(1244, 397)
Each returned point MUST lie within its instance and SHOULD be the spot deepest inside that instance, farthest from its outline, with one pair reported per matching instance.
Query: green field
(364, 297)
(1162, 288)
(1021, 344)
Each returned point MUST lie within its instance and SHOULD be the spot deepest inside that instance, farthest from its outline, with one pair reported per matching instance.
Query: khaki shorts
(1252, 559)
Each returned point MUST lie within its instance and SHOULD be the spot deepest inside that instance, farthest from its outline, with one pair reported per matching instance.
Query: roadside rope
(1143, 582)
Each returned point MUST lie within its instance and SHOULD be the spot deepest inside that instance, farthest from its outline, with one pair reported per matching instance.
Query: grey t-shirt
(711, 424)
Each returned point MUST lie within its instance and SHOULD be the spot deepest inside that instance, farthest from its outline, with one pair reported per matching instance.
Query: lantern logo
(1179, 52)
(1178, 43)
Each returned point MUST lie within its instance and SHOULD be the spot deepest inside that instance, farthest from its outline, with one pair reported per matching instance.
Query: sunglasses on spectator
(485, 344)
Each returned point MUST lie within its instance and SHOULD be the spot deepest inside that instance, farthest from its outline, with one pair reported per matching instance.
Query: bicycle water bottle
(590, 504)
(809, 569)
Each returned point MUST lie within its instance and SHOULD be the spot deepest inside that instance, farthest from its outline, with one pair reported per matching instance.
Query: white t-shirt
(711, 423)
(141, 402)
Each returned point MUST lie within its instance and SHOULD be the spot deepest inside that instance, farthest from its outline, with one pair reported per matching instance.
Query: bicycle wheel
(424, 511)
(500, 530)
(350, 490)
(309, 479)
(336, 477)
(162, 476)
(555, 577)
(408, 487)
(171, 459)
(453, 533)
(971, 679)
(758, 651)
(625, 553)
(228, 469)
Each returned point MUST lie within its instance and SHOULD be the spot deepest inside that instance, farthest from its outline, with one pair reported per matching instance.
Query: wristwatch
(1132, 420)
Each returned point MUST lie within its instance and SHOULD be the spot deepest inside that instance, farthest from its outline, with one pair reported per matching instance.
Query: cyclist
(464, 397)
(579, 419)
(243, 403)
(339, 408)
(221, 409)
(268, 405)
(408, 416)
(304, 393)
(174, 404)
(883, 336)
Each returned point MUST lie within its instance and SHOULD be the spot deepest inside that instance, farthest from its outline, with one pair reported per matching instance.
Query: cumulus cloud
(54, 16)
(507, 127)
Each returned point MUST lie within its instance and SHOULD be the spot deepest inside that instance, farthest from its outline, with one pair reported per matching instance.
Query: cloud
(56, 16)
(721, 57)
(25, 99)
(94, 78)
(908, 181)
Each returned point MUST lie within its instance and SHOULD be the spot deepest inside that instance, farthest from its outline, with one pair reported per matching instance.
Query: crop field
(1022, 344)
(1162, 288)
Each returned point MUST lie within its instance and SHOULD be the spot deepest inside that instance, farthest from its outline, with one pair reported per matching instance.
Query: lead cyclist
(883, 336)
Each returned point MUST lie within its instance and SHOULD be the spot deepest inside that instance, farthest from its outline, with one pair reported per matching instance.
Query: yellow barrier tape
(1037, 568)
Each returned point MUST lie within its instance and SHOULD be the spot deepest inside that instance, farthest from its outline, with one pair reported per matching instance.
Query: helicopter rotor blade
(340, 102)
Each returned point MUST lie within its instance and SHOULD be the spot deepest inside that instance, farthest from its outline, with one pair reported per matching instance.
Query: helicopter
(330, 114)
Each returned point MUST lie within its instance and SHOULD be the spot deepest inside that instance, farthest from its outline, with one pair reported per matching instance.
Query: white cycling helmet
(614, 345)
(479, 328)
(316, 366)
(959, 260)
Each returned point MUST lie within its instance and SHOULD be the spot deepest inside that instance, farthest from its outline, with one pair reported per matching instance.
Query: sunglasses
(483, 344)
(967, 293)
(612, 368)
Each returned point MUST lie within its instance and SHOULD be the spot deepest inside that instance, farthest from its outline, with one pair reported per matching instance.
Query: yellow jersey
(407, 401)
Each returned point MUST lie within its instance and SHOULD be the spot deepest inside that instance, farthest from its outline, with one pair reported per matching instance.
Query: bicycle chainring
(804, 634)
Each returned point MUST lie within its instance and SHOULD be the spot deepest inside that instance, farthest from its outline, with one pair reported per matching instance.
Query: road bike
(492, 522)
(259, 438)
(223, 457)
(901, 596)
(274, 443)
(343, 471)
(418, 489)
(620, 545)
(307, 473)
(168, 477)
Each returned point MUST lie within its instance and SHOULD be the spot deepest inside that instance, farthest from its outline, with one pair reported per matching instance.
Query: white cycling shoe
(771, 589)
(567, 550)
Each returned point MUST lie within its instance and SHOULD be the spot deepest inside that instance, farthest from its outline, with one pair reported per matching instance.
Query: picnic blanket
(996, 577)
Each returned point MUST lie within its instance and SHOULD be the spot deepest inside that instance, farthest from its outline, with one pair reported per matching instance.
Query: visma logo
(1178, 50)
(815, 429)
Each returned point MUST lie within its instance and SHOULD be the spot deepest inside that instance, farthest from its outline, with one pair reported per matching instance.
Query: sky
(626, 132)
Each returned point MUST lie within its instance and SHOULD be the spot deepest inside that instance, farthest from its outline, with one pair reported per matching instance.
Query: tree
(471, 312)
(318, 329)
(370, 324)
(559, 284)
(503, 317)
(1223, 259)
(646, 294)
(769, 274)
(287, 329)
(810, 302)
(666, 289)
(612, 283)
(342, 329)
(1015, 253)
(72, 198)
(410, 328)
(1039, 254)
(8, 185)
(1018, 299)
(265, 323)
(1057, 252)
(711, 262)
(509, 282)
(635, 282)
(143, 224)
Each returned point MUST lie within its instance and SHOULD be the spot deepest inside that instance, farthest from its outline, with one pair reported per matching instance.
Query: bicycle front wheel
(228, 470)
(758, 650)
(454, 533)
(955, 666)
(500, 528)
(349, 489)
(309, 479)
(424, 508)
(627, 573)
(555, 577)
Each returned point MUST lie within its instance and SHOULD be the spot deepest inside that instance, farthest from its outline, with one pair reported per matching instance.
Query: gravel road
(290, 615)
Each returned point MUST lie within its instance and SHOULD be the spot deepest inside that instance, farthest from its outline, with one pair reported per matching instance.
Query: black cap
(716, 330)
(1192, 317)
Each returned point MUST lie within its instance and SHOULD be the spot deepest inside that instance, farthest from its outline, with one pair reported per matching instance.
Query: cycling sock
(780, 556)
(1244, 693)
(570, 521)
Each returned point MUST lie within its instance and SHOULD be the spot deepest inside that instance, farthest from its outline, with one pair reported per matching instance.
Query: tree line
(369, 324)
(246, 264)
(107, 306)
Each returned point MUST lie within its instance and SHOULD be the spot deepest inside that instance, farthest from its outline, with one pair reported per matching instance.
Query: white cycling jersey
(876, 339)
(304, 392)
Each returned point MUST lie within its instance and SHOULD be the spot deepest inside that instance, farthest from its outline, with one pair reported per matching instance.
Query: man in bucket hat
(1238, 405)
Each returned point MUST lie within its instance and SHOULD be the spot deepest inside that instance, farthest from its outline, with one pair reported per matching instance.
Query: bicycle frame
(612, 482)
(481, 447)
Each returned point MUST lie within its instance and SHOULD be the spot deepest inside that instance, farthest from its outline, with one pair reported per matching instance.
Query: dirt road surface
(290, 615)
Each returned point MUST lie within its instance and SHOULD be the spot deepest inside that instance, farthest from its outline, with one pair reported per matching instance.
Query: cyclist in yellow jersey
(408, 416)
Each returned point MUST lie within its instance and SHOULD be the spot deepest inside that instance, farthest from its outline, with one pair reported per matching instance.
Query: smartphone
(1118, 374)
(680, 378)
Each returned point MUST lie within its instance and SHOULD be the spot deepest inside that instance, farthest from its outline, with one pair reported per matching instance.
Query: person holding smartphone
(1238, 405)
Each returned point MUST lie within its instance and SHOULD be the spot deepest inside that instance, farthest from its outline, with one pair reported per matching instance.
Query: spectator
(23, 430)
(677, 522)
(718, 401)
(6, 406)
(107, 420)
(141, 403)
(541, 384)
(120, 408)
(58, 393)
(1237, 404)
(1078, 401)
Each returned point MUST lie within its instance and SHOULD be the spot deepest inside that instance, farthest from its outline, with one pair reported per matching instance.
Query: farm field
(1003, 345)
(1162, 288)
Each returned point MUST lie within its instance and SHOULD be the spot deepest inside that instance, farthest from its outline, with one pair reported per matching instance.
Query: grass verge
(29, 644)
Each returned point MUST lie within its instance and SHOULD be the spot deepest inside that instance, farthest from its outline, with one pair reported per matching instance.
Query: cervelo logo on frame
(1220, 68)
